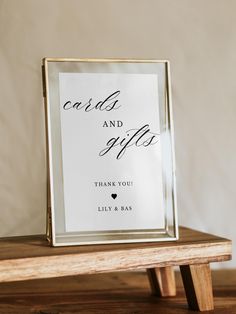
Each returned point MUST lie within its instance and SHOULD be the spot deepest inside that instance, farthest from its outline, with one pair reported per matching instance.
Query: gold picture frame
(59, 75)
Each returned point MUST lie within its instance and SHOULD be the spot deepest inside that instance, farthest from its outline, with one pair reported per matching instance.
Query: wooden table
(24, 258)
(111, 293)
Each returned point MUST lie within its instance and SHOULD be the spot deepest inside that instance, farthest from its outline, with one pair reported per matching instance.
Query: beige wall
(197, 36)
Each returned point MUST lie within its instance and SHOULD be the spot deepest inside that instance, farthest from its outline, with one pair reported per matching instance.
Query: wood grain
(162, 281)
(116, 293)
(23, 258)
(198, 286)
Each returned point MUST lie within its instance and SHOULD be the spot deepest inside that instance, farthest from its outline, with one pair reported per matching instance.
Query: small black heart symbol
(114, 196)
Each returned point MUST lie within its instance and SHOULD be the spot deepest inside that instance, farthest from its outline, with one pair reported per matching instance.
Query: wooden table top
(31, 257)
(116, 293)
(38, 246)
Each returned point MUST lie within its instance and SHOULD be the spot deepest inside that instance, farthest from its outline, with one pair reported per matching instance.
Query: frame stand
(31, 257)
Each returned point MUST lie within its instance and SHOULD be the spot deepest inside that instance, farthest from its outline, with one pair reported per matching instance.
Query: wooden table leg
(162, 281)
(198, 286)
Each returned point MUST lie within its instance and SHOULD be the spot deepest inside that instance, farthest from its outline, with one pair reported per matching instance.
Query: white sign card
(111, 155)
(111, 166)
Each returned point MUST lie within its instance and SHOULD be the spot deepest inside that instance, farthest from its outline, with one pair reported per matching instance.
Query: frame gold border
(50, 219)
